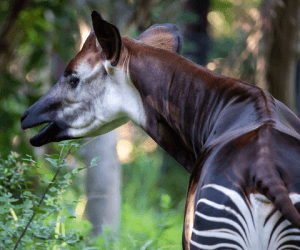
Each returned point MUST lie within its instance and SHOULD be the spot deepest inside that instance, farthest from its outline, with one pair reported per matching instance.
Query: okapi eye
(74, 80)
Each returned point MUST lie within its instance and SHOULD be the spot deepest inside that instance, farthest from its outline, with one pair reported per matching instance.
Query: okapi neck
(186, 105)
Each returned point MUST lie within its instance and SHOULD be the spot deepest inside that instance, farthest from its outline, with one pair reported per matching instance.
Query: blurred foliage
(46, 36)
(237, 33)
(148, 220)
(146, 229)
(39, 33)
(19, 203)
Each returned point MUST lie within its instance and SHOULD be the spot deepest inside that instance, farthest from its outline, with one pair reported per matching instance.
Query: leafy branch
(60, 165)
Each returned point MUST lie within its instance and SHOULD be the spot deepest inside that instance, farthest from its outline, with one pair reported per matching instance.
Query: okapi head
(95, 94)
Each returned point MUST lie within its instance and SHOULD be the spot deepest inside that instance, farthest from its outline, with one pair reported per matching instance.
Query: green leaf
(3, 199)
(74, 171)
(80, 169)
(53, 162)
(31, 160)
(61, 247)
(46, 181)
(72, 241)
(53, 189)
(27, 193)
(67, 176)
(4, 211)
(94, 161)
(67, 143)
(55, 156)
(39, 210)
(13, 200)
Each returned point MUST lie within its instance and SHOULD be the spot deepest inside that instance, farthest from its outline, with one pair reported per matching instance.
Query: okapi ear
(108, 36)
(164, 36)
(90, 42)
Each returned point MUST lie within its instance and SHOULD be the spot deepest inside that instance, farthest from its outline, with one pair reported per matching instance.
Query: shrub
(28, 221)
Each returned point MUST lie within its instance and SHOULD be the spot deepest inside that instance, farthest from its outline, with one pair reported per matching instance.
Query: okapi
(241, 146)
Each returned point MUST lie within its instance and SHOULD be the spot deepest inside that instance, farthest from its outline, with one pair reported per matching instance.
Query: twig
(89, 141)
(34, 212)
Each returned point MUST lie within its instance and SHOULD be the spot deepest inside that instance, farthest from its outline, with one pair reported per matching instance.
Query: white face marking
(101, 102)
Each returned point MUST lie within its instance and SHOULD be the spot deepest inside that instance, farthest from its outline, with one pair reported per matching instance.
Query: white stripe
(207, 247)
(230, 210)
(275, 237)
(222, 220)
(288, 238)
(291, 230)
(256, 234)
(288, 247)
(222, 233)
(235, 198)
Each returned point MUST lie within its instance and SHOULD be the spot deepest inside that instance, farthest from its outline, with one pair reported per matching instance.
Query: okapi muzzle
(241, 146)
(46, 110)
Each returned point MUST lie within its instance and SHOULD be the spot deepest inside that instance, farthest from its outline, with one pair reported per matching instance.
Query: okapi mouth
(52, 132)
(45, 135)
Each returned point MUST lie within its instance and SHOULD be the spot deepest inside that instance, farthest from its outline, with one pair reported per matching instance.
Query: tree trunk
(281, 49)
(103, 183)
(10, 34)
(196, 39)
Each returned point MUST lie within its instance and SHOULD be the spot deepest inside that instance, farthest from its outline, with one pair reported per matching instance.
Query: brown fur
(90, 52)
